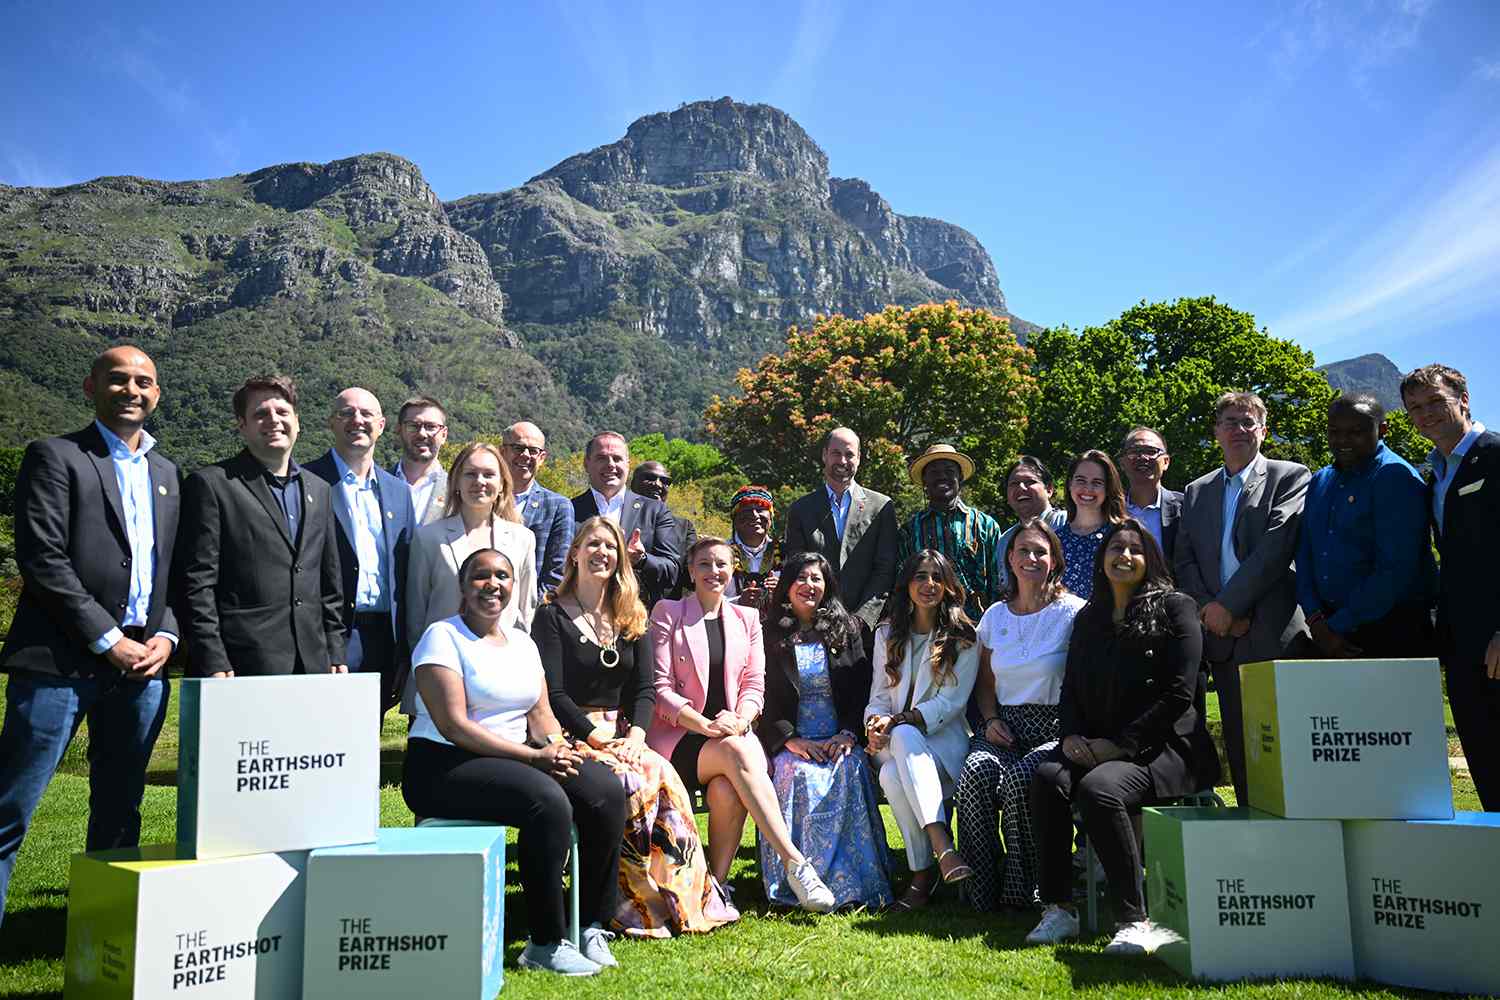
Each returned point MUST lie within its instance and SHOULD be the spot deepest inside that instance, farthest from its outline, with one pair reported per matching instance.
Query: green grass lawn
(945, 950)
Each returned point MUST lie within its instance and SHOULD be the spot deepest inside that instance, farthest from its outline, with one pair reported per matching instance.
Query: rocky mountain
(1372, 373)
(622, 287)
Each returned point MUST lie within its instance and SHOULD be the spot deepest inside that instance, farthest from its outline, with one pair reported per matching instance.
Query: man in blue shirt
(1364, 566)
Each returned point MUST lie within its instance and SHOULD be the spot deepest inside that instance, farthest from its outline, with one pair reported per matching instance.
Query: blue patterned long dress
(831, 809)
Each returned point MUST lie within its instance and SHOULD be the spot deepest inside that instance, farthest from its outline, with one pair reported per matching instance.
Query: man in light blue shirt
(1144, 460)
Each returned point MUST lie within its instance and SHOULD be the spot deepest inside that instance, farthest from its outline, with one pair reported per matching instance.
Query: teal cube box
(418, 913)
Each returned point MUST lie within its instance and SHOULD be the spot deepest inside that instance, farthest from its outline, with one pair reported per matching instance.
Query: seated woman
(596, 650)
(924, 667)
(710, 686)
(817, 679)
(1023, 646)
(480, 686)
(1095, 501)
(1130, 733)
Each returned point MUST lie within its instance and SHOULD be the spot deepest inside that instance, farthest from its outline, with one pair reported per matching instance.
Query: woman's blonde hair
(623, 592)
(505, 503)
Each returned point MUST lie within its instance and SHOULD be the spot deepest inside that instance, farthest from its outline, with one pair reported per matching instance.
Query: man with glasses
(422, 425)
(1143, 461)
(549, 515)
(1234, 554)
(376, 520)
(652, 479)
(1466, 517)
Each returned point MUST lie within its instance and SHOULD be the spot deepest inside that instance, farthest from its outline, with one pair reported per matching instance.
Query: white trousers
(915, 784)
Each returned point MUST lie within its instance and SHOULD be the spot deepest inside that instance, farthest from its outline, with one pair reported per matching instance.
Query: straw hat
(942, 452)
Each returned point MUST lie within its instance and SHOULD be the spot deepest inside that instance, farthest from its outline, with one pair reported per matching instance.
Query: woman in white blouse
(1023, 647)
(924, 666)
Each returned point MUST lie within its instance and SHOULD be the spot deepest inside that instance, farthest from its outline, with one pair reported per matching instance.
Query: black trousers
(442, 780)
(1232, 715)
(1107, 796)
(1475, 700)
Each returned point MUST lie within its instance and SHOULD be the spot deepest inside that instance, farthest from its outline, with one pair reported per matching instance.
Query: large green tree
(902, 379)
(1163, 365)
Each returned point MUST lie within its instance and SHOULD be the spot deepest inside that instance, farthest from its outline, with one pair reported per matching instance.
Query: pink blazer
(681, 645)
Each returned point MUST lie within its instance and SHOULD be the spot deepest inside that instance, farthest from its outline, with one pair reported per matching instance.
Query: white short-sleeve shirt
(501, 683)
(1028, 652)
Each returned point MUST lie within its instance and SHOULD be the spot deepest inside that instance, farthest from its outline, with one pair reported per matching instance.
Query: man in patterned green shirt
(969, 537)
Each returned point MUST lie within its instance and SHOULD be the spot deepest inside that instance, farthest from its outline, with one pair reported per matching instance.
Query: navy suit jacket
(1469, 545)
(1171, 514)
(75, 555)
(658, 570)
(549, 515)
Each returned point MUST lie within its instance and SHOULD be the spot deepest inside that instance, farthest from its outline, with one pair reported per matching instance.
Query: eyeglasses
(651, 477)
(423, 427)
(530, 451)
(1238, 423)
(1144, 451)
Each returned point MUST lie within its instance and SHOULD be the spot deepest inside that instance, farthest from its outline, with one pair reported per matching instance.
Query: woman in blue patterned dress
(1095, 501)
(817, 680)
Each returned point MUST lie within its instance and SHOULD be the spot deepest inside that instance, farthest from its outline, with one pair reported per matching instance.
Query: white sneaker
(595, 946)
(561, 958)
(1056, 925)
(1140, 937)
(809, 889)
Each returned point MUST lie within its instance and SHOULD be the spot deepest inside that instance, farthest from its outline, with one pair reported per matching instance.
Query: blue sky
(1333, 168)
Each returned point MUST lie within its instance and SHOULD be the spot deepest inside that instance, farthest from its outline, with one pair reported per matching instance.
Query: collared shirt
(610, 508)
(1361, 541)
(970, 539)
(839, 504)
(751, 558)
(367, 521)
(421, 490)
(1233, 486)
(1446, 469)
(522, 498)
(1055, 517)
(133, 477)
(1149, 515)
(287, 491)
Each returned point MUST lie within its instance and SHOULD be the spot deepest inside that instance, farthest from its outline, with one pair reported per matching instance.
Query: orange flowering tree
(902, 379)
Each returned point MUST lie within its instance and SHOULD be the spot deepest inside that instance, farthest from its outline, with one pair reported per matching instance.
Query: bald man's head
(123, 387)
(356, 422)
(525, 450)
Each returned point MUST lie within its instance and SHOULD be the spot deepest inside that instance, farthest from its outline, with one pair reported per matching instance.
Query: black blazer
(658, 570)
(75, 556)
(849, 671)
(1171, 513)
(255, 600)
(1469, 545)
(1140, 692)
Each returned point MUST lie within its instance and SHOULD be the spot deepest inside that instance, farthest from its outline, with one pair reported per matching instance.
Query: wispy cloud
(1362, 39)
(24, 168)
(817, 30)
(1487, 70)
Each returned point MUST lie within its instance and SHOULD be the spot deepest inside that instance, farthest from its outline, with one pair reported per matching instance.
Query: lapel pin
(1351, 498)
(162, 490)
(390, 517)
(636, 505)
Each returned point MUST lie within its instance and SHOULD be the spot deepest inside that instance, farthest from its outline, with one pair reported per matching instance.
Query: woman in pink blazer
(710, 687)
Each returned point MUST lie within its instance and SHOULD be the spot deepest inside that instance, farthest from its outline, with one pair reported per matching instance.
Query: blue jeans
(42, 712)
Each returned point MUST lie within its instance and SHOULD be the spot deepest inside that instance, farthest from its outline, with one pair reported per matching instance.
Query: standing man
(652, 479)
(549, 515)
(1466, 514)
(1364, 559)
(1234, 554)
(853, 527)
(1144, 460)
(96, 518)
(422, 426)
(376, 520)
(968, 536)
(259, 557)
(649, 528)
(1028, 493)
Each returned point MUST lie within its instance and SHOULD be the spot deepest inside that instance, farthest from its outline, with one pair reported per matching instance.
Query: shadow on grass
(34, 995)
(37, 932)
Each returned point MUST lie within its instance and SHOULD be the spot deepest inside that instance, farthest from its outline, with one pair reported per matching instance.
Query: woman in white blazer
(925, 662)
(480, 514)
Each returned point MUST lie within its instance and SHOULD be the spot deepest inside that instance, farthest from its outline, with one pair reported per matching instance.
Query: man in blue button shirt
(1364, 565)
(96, 519)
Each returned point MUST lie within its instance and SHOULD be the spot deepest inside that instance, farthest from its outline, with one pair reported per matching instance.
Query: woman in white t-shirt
(480, 689)
(1023, 648)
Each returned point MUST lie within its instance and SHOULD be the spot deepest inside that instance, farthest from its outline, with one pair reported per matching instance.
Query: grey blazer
(865, 557)
(1264, 588)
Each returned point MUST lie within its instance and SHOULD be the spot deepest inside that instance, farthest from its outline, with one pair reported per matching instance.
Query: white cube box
(1346, 739)
(1247, 895)
(277, 763)
(419, 913)
(144, 923)
(1424, 901)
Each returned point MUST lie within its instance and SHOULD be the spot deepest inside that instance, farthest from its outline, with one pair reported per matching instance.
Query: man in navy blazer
(1144, 460)
(1466, 517)
(96, 520)
(549, 515)
(376, 519)
(650, 530)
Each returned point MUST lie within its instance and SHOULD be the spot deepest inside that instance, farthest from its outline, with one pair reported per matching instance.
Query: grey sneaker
(595, 946)
(811, 893)
(561, 958)
(1056, 925)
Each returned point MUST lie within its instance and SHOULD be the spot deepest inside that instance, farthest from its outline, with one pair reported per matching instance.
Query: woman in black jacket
(1131, 735)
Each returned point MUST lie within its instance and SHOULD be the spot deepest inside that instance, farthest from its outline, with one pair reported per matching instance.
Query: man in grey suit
(422, 426)
(854, 528)
(1144, 460)
(1234, 554)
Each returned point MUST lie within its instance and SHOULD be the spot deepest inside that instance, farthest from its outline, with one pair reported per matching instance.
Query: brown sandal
(915, 897)
(956, 871)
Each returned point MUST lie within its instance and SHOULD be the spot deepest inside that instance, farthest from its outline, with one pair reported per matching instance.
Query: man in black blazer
(1466, 517)
(654, 481)
(854, 528)
(376, 519)
(96, 519)
(1144, 460)
(259, 555)
(648, 526)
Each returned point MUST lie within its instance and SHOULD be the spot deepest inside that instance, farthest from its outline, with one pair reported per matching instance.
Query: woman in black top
(1131, 735)
(596, 650)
